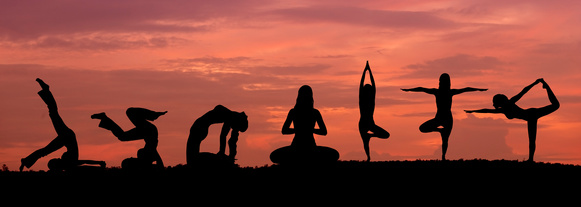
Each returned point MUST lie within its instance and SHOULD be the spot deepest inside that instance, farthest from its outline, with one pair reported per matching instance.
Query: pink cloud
(482, 138)
(39, 18)
(364, 17)
(188, 56)
(462, 65)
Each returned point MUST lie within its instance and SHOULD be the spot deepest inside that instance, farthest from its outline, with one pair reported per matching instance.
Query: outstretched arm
(421, 89)
(494, 111)
(232, 143)
(225, 129)
(467, 89)
(371, 78)
(517, 97)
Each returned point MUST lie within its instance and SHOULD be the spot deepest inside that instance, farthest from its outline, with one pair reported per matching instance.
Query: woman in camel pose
(235, 121)
(509, 108)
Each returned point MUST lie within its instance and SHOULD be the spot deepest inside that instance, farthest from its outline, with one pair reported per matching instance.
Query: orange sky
(187, 56)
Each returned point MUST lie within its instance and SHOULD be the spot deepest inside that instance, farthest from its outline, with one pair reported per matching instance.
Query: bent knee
(425, 129)
(131, 111)
(382, 135)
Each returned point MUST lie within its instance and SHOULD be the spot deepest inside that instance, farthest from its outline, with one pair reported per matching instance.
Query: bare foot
(43, 85)
(101, 115)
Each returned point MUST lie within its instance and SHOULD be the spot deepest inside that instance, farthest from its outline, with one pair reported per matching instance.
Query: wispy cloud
(364, 17)
(461, 65)
(188, 56)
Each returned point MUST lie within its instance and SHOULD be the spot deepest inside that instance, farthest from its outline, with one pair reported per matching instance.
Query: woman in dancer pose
(65, 138)
(509, 108)
(235, 122)
(443, 121)
(366, 109)
(303, 148)
(144, 129)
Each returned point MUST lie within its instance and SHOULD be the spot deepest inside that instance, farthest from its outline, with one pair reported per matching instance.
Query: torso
(304, 125)
(443, 103)
(513, 111)
(366, 106)
(219, 114)
(150, 136)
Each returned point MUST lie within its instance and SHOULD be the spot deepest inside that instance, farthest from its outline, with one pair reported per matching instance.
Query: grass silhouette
(502, 180)
(426, 170)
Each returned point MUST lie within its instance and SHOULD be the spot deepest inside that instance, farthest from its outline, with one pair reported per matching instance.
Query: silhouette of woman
(144, 129)
(366, 109)
(65, 138)
(443, 121)
(509, 108)
(303, 148)
(235, 121)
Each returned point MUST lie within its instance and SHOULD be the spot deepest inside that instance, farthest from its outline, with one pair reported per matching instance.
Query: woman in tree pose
(509, 108)
(303, 148)
(235, 121)
(366, 109)
(144, 129)
(443, 121)
(65, 138)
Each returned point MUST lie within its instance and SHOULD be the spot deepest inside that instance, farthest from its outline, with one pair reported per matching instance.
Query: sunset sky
(186, 57)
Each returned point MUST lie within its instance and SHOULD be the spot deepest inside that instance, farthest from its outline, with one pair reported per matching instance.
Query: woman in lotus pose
(303, 148)
(144, 129)
(235, 121)
(509, 108)
(366, 109)
(443, 121)
(65, 138)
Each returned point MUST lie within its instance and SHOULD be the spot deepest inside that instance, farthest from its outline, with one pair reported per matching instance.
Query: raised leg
(552, 98)
(430, 126)
(107, 123)
(54, 145)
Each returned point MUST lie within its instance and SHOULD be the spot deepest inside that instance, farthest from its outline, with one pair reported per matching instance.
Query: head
(58, 164)
(367, 87)
(499, 101)
(305, 98)
(68, 156)
(367, 91)
(444, 81)
(145, 154)
(240, 121)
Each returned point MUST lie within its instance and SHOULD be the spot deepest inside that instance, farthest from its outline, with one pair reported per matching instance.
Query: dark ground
(413, 182)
